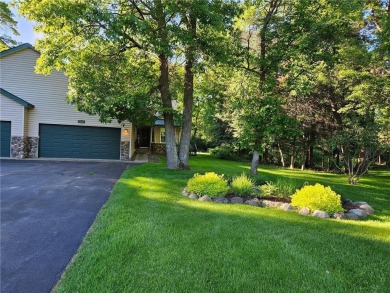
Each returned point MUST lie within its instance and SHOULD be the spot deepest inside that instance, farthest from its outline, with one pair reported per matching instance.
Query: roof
(16, 99)
(161, 122)
(17, 49)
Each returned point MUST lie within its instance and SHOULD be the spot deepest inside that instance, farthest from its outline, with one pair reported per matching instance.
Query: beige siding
(46, 93)
(14, 112)
(157, 134)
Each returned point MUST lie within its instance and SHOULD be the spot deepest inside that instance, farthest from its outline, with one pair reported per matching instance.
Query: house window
(162, 135)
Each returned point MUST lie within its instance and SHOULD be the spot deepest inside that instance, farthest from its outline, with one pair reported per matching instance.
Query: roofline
(16, 99)
(17, 49)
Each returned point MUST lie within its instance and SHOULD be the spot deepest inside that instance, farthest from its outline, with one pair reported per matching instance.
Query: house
(37, 121)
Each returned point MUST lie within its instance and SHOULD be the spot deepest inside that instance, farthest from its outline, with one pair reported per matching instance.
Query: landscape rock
(287, 207)
(339, 216)
(185, 192)
(304, 211)
(358, 212)
(253, 202)
(205, 198)
(236, 200)
(367, 209)
(270, 203)
(193, 196)
(351, 216)
(221, 199)
(348, 202)
(359, 203)
(320, 214)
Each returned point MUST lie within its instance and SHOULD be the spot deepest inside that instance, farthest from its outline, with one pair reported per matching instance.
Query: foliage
(242, 185)
(225, 152)
(317, 197)
(7, 22)
(210, 184)
(268, 189)
(286, 187)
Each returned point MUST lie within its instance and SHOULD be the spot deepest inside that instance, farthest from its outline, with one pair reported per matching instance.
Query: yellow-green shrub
(210, 184)
(242, 185)
(317, 197)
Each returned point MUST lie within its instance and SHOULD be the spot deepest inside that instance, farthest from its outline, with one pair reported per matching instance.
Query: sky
(25, 28)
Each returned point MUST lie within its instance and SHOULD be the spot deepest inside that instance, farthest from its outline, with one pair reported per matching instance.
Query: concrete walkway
(47, 208)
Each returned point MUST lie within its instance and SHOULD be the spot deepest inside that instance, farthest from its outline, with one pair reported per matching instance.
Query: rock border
(353, 210)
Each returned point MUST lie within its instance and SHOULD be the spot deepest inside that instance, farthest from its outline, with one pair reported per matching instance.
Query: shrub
(242, 185)
(317, 197)
(268, 189)
(286, 187)
(210, 184)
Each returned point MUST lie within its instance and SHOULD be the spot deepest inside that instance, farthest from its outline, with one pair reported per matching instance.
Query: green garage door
(61, 141)
(5, 138)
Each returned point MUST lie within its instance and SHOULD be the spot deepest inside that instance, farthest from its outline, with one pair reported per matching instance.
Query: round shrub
(242, 185)
(317, 197)
(210, 184)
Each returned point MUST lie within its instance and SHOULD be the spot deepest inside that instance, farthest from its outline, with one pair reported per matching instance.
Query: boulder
(270, 203)
(359, 203)
(205, 198)
(358, 212)
(304, 211)
(287, 207)
(253, 202)
(339, 216)
(320, 214)
(193, 196)
(185, 192)
(351, 216)
(236, 200)
(221, 199)
(366, 208)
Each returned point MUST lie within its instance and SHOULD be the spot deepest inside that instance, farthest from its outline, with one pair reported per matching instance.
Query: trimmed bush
(242, 185)
(210, 184)
(317, 197)
(268, 189)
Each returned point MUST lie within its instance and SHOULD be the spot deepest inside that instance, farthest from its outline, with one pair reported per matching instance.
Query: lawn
(149, 238)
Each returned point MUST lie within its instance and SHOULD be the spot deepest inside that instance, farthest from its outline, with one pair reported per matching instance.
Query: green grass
(149, 238)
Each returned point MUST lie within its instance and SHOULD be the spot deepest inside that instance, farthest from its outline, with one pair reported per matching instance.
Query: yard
(149, 238)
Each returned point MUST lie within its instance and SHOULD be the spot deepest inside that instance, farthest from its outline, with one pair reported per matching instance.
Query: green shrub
(242, 185)
(286, 187)
(317, 197)
(268, 189)
(210, 184)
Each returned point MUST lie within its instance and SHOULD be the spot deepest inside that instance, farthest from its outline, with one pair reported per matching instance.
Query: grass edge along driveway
(149, 238)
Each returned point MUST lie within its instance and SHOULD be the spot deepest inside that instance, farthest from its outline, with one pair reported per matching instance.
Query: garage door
(61, 141)
(5, 138)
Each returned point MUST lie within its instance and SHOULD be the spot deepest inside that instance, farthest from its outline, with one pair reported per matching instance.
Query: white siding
(46, 93)
(14, 112)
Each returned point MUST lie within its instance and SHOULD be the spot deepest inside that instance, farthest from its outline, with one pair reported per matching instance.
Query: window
(162, 135)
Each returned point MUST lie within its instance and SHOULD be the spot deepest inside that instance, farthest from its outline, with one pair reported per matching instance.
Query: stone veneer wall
(24, 147)
(18, 147)
(158, 148)
(125, 150)
(32, 147)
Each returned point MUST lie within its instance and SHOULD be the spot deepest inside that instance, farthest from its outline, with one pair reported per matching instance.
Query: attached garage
(83, 142)
(5, 138)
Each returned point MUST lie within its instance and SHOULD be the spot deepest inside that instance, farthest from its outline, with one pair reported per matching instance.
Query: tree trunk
(184, 149)
(255, 163)
(265, 156)
(171, 149)
(281, 156)
(304, 158)
(292, 159)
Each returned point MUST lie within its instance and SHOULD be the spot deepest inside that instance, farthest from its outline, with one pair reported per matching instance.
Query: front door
(143, 137)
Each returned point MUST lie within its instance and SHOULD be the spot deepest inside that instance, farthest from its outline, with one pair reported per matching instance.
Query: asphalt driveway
(47, 208)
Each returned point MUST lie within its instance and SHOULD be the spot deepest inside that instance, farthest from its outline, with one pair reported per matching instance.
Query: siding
(46, 92)
(14, 112)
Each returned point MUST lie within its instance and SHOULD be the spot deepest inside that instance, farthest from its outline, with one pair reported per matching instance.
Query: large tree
(7, 23)
(119, 55)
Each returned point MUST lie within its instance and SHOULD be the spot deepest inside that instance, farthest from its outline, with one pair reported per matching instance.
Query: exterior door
(143, 137)
(5, 138)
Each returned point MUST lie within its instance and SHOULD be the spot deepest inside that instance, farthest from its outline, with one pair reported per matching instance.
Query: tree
(7, 22)
(128, 47)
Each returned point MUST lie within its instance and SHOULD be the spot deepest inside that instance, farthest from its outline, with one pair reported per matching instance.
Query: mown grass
(149, 238)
